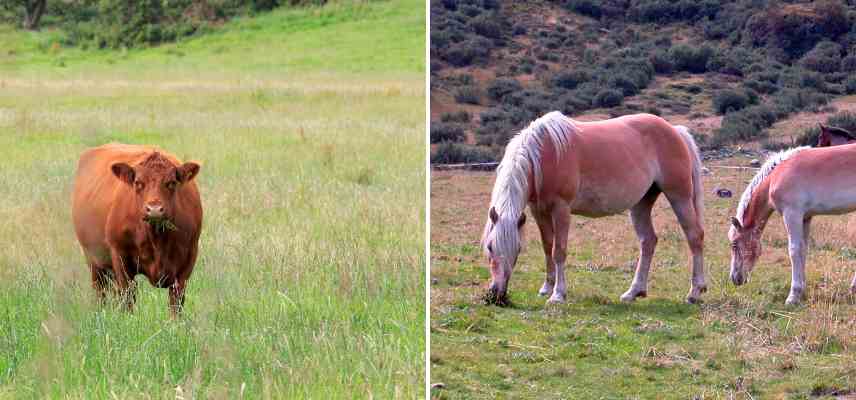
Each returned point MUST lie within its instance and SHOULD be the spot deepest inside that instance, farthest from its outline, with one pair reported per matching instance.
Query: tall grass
(309, 282)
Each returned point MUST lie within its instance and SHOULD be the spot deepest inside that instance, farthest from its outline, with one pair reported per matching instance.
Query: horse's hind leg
(545, 225)
(640, 215)
(853, 285)
(687, 217)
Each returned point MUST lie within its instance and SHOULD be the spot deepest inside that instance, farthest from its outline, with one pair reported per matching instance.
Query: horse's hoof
(693, 300)
(544, 291)
(556, 299)
(629, 297)
(793, 300)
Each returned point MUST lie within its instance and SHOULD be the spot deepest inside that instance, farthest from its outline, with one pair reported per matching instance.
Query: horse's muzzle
(495, 297)
(738, 278)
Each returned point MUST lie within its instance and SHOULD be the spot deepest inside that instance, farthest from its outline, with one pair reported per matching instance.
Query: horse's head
(501, 242)
(745, 249)
(833, 136)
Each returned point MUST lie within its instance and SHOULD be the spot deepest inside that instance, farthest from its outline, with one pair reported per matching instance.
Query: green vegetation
(757, 59)
(740, 343)
(309, 125)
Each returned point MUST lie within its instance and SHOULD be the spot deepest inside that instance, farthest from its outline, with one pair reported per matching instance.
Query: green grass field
(309, 125)
(741, 343)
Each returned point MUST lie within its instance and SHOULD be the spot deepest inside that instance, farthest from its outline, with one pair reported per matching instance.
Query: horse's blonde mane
(769, 165)
(523, 158)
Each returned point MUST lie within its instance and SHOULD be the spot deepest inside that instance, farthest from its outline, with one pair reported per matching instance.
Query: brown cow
(136, 210)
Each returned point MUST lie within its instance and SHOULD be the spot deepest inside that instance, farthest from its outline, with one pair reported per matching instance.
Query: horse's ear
(493, 215)
(521, 221)
(736, 223)
(822, 126)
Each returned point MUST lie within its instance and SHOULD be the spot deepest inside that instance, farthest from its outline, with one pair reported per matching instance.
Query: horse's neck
(759, 210)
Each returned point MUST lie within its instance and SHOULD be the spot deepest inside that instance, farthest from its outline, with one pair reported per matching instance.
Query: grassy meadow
(741, 343)
(309, 125)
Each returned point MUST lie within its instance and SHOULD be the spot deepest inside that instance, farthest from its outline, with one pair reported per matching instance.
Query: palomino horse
(798, 183)
(832, 136)
(561, 167)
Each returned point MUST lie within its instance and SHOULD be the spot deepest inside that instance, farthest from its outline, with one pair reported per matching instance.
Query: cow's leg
(795, 224)
(688, 218)
(176, 297)
(561, 214)
(545, 225)
(120, 274)
(100, 281)
(640, 215)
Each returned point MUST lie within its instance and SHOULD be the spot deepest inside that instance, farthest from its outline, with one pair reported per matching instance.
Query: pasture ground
(309, 125)
(741, 343)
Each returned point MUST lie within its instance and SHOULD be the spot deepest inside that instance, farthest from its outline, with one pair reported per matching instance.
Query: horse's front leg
(545, 225)
(795, 224)
(561, 214)
(853, 285)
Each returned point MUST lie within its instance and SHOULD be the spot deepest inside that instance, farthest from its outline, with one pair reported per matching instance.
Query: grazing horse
(799, 183)
(832, 136)
(560, 167)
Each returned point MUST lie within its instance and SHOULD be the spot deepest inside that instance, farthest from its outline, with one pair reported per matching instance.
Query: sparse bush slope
(754, 62)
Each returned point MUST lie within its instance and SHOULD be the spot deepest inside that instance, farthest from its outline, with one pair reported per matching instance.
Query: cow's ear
(188, 171)
(124, 172)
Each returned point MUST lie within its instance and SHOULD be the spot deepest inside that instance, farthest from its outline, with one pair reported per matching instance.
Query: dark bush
(850, 85)
(457, 116)
(570, 79)
(502, 87)
(848, 64)
(608, 98)
(469, 94)
(729, 100)
(661, 62)
(467, 52)
(586, 7)
(453, 153)
(825, 57)
(446, 132)
(487, 25)
(691, 59)
(624, 84)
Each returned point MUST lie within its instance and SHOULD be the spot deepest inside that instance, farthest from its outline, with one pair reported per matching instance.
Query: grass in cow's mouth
(161, 225)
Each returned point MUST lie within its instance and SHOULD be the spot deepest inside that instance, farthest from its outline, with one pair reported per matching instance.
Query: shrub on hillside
(571, 78)
(608, 98)
(661, 62)
(729, 100)
(446, 132)
(469, 94)
(453, 153)
(825, 57)
(487, 25)
(623, 83)
(850, 85)
(457, 116)
(501, 87)
(689, 58)
(848, 64)
(467, 52)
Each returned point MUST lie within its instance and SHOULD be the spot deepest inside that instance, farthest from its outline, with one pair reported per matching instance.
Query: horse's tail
(698, 191)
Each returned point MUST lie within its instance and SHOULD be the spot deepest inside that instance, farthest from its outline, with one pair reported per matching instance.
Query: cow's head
(155, 182)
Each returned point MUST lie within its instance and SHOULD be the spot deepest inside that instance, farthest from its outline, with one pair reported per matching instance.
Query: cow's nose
(154, 210)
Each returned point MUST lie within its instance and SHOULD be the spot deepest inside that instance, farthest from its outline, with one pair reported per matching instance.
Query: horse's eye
(171, 185)
(490, 248)
(139, 185)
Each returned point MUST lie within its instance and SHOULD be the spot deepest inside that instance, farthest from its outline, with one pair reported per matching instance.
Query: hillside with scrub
(308, 123)
(756, 73)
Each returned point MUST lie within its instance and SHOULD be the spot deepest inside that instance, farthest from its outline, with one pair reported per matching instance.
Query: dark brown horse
(833, 136)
